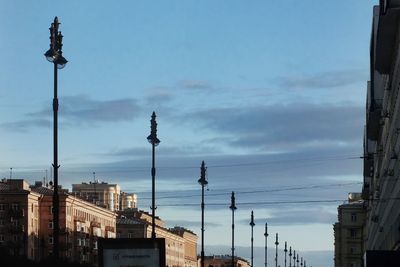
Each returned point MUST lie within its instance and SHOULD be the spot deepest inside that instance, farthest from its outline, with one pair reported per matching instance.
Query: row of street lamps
(54, 55)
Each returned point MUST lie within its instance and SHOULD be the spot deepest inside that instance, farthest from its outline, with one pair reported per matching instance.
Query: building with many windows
(180, 243)
(19, 219)
(99, 193)
(381, 188)
(26, 223)
(224, 261)
(349, 232)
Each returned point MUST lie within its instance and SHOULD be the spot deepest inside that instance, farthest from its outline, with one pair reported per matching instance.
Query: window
(51, 225)
(95, 245)
(1, 222)
(50, 240)
(1, 239)
(16, 238)
(353, 233)
(15, 206)
(2, 206)
(130, 235)
(354, 217)
(51, 209)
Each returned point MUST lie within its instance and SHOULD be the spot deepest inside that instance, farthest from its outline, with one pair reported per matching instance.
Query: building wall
(19, 218)
(381, 141)
(224, 261)
(349, 234)
(99, 193)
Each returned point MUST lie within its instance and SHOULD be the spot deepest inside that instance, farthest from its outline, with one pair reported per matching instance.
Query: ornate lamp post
(294, 258)
(154, 141)
(297, 259)
(203, 183)
(54, 55)
(252, 239)
(276, 250)
(301, 262)
(233, 208)
(290, 257)
(285, 250)
(266, 249)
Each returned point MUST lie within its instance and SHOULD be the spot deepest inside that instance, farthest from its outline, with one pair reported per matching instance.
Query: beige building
(381, 188)
(81, 224)
(99, 193)
(26, 223)
(224, 261)
(19, 218)
(180, 243)
(128, 201)
(349, 232)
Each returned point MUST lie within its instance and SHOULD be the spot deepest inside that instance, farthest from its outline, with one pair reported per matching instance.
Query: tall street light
(54, 55)
(154, 141)
(276, 250)
(233, 208)
(285, 250)
(252, 239)
(290, 257)
(203, 183)
(266, 249)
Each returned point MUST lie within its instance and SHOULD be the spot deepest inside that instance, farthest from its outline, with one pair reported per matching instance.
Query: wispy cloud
(80, 110)
(298, 125)
(322, 80)
(296, 217)
(195, 84)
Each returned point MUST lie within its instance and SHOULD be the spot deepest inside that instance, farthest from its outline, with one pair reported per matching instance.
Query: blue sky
(270, 94)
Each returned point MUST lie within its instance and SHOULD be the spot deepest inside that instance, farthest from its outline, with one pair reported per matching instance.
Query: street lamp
(290, 256)
(54, 55)
(233, 208)
(154, 141)
(294, 258)
(252, 239)
(203, 183)
(276, 250)
(285, 250)
(266, 249)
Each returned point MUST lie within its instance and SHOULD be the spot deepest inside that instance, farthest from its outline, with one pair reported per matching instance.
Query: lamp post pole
(252, 239)
(276, 250)
(285, 250)
(203, 183)
(233, 208)
(297, 259)
(266, 249)
(154, 141)
(290, 256)
(54, 55)
(294, 258)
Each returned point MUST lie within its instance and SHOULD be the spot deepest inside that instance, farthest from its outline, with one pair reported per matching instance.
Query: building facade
(99, 193)
(26, 223)
(349, 232)
(19, 219)
(224, 261)
(381, 187)
(180, 243)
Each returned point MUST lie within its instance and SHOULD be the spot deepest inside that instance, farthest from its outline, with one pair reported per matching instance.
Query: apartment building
(99, 193)
(81, 224)
(26, 223)
(224, 261)
(180, 243)
(349, 232)
(19, 219)
(381, 188)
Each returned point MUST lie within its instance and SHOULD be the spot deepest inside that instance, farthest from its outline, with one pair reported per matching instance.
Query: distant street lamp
(290, 257)
(154, 141)
(266, 249)
(297, 259)
(285, 250)
(203, 182)
(54, 55)
(233, 208)
(294, 258)
(252, 239)
(276, 250)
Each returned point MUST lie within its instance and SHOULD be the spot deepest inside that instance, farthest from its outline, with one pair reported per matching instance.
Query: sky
(270, 94)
